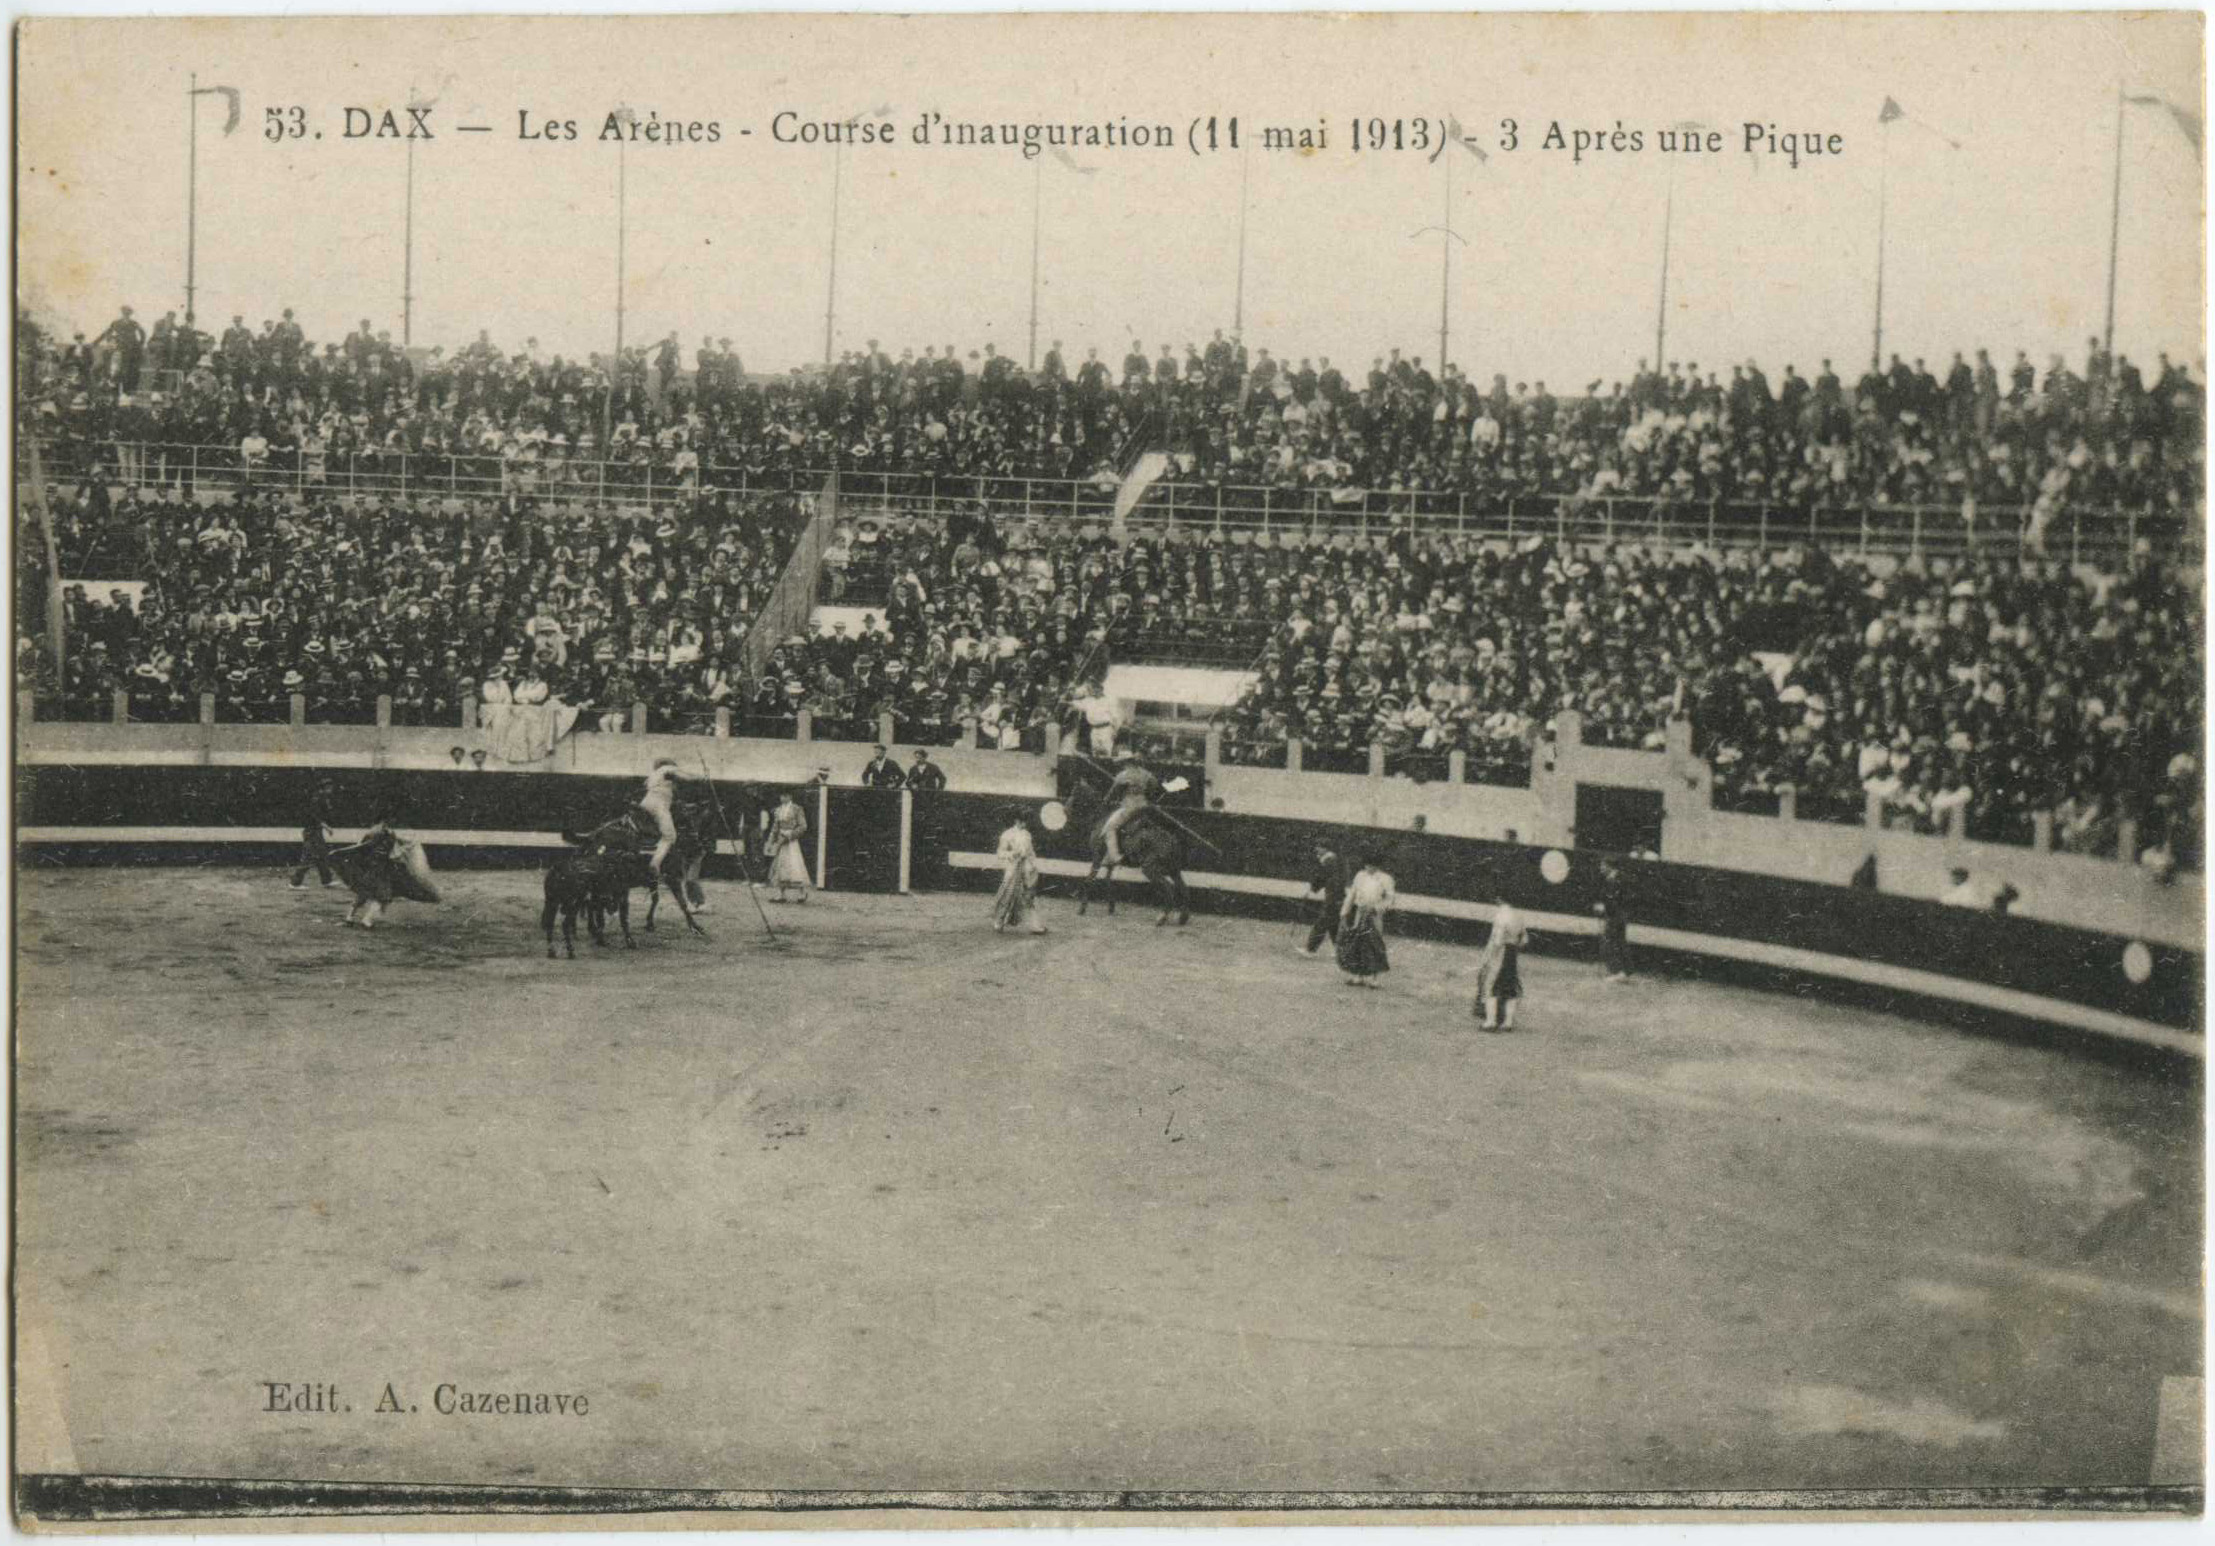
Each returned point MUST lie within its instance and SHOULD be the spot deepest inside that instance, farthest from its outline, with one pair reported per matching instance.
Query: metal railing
(2075, 534)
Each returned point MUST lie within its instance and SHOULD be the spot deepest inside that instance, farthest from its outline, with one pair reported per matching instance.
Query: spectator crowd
(2003, 689)
(2000, 689)
(1982, 444)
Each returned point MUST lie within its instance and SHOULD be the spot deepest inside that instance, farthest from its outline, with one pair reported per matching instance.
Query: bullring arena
(894, 1199)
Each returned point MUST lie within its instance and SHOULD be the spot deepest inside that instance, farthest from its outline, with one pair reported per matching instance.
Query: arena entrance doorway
(1615, 819)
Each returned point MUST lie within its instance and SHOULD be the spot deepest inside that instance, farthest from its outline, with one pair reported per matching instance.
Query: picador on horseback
(1136, 831)
(606, 865)
(1133, 789)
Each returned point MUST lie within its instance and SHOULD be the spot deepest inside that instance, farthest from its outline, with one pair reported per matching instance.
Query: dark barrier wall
(111, 795)
(864, 829)
(2078, 966)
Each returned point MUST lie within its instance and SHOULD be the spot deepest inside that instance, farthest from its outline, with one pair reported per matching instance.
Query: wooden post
(1213, 757)
(886, 729)
(804, 727)
(2126, 840)
(384, 711)
(26, 707)
(1457, 766)
(1292, 754)
(723, 724)
(2041, 832)
(1788, 805)
(822, 833)
(638, 719)
(120, 708)
(907, 837)
(1376, 760)
(207, 708)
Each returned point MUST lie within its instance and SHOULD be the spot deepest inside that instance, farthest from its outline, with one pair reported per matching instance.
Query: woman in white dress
(788, 860)
(1016, 904)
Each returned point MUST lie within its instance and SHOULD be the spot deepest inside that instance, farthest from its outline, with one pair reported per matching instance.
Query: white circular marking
(2137, 962)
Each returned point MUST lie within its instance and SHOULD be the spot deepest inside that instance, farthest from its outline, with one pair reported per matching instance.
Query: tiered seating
(2001, 690)
(1979, 448)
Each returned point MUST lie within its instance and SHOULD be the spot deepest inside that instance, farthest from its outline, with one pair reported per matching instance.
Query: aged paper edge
(77, 1504)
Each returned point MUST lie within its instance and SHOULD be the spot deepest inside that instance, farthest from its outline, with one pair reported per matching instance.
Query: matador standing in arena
(1135, 788)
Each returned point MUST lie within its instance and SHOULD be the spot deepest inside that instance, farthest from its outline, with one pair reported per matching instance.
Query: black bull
(599, 877)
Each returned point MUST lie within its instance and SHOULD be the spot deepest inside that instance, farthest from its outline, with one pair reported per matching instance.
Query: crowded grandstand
(1975, 591)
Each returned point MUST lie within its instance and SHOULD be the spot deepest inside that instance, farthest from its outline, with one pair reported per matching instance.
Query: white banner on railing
(1177, 684)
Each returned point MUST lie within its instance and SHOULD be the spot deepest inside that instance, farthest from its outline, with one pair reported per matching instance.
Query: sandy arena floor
(900, 1203)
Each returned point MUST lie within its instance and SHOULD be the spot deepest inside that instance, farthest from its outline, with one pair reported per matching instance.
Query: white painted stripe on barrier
(1753, 952)
(1910, 979)
(434, 837)
(1266, 885)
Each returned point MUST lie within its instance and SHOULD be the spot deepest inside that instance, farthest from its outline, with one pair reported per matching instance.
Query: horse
(678, 870)
(1159, 848)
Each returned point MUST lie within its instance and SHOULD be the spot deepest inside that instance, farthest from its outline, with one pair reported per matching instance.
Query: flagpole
(192, 192)
(2114, 225)
(830, 301)
(1445, 265)
(615, 366)
(1884, 171)
(1238, 297)
(1661, 310)
(1038, 200)
(622, 236)
(407, 261)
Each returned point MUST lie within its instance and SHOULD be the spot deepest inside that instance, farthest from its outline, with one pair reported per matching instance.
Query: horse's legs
(653, 905)
(1108, 880)
(1184, 898)
(568, 928)
(546, 922)
(623, 914)
(1164, 889)
(676, 892)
